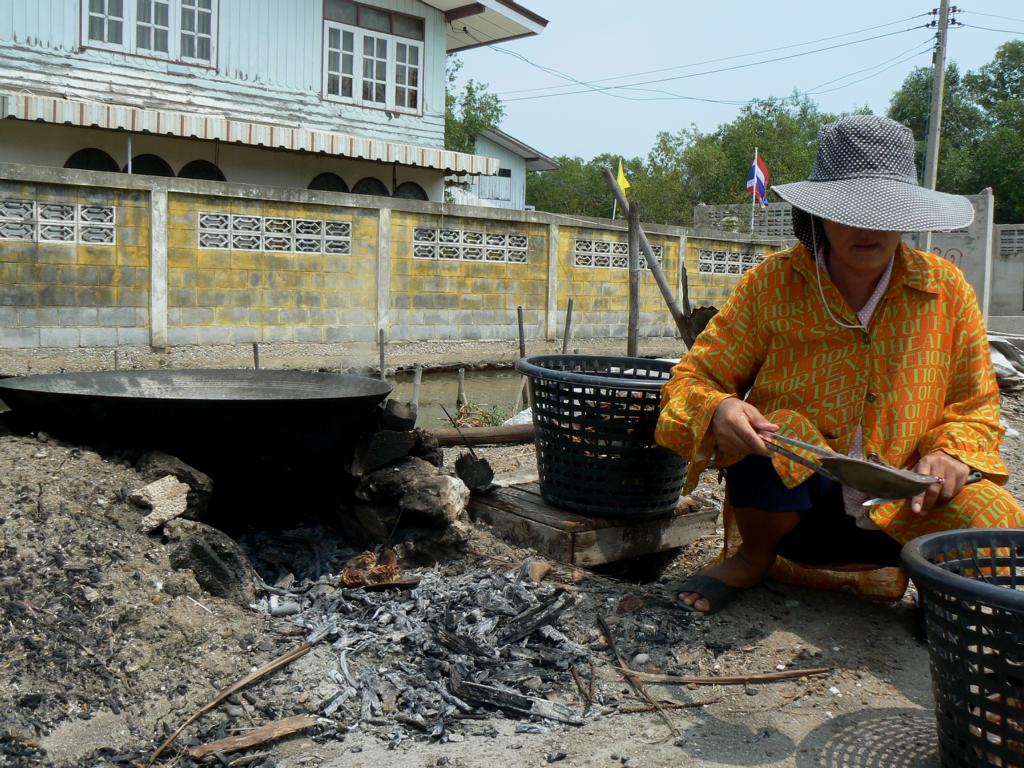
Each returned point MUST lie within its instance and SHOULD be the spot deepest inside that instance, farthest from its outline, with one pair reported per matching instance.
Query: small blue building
(322, 94)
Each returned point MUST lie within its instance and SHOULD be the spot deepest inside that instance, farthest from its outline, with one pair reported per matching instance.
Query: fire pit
(203, 416)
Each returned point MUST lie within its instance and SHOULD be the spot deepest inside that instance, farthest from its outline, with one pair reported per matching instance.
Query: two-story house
(320, 94)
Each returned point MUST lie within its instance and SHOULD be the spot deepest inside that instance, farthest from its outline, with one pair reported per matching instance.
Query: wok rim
(377, 388)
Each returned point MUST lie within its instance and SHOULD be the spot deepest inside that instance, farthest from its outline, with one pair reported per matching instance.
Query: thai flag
(757, 180)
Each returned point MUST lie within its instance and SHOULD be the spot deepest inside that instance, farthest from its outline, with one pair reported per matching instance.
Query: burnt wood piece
(381, 448)
(525, 623)
(504, 699)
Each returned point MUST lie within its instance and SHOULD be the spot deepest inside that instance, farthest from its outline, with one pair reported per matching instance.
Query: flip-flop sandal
(715, 591)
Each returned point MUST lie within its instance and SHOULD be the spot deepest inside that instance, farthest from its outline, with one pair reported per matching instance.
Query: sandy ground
(105, 649)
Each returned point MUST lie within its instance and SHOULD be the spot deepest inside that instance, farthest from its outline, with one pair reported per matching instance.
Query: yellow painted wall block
(96, 255)
(214, 260)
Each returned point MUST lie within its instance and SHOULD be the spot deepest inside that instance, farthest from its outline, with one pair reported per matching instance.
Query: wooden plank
(545, 515)
(607, 545)
(521, 531)
(505, 434)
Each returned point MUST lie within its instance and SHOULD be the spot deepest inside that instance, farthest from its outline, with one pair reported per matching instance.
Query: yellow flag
(623, 181)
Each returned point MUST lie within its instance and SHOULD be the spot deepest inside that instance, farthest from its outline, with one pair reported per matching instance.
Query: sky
(596, 39)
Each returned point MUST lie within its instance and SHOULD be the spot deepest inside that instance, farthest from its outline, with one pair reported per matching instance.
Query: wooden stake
(523, 395)
(633, 323)
(460, 398)
(417, 379)
(678, 315)
(567, 331)
(117, 360)
(256, 355)
(380, 344)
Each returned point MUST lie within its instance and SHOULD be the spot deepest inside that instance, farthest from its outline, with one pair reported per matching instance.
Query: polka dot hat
(864, 176)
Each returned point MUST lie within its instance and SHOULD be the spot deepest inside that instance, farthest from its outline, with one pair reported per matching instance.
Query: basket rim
(924, 572)
(533, 366)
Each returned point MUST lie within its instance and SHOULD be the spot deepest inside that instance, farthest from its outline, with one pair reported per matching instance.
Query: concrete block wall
(601, 294)
(76, 294)
(434, 299)
(229, 295)
(177, 277)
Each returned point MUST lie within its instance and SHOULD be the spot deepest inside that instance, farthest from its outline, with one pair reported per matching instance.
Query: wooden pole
(417, 379)
(680, 316)
(460, 398)
(380, 345)
(567, 331)
(117, 360)
(633, 323)
(523, 395)
(256, 355)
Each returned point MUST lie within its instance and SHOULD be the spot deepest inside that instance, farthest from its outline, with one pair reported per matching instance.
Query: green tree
(963, 125)
(468, 110)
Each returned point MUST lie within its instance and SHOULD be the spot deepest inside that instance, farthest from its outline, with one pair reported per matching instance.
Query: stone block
(98, 337)
(116, 316)
(132, 236)
(58, 254)
(278, 333)
(280, 280)
(197, 316)
(211, 298)
(181, 258)
(105, 296)
(310, 334)
(19, 338)
(230, 279)
(131, 297)
(182, 336)
(213, 334)
(174, 316)
(64, 338)
(23, 296)
(279, 298)
(194, 278)
(244, 335)
(133, 337)
(236, 315)
(309, 299)
(335, 334)
(213, 260)
(29, 318)
(133, 257)
(363, 333)
(74, 317)
(246, 260)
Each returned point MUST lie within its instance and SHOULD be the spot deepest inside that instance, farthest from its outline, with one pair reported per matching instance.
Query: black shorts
(825, 533)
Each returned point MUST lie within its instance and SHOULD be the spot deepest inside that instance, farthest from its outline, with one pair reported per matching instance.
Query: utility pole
(931, 156)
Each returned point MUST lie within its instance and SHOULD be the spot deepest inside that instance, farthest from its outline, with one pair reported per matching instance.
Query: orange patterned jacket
(920, 379)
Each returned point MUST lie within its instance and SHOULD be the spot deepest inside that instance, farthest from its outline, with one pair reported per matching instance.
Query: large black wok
(212, 418)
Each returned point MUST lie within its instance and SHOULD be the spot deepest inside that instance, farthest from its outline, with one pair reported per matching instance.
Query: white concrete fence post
(551, 319)
(384, 271)
(158, 268)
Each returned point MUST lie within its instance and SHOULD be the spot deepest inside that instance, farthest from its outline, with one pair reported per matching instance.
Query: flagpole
(614, 203)
(753, 193)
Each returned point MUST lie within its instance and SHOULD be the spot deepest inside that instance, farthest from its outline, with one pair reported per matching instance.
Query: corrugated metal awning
(93, 114)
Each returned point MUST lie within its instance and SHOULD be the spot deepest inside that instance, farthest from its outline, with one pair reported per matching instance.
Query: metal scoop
(871, 477)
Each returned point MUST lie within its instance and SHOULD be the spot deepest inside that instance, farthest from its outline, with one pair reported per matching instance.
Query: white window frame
(357, 68)
(129, 31)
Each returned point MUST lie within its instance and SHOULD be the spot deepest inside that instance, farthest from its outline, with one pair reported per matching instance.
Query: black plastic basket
(971, 584)
(594, 418)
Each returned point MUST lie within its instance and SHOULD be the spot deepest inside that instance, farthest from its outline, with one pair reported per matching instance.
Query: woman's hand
(735, 425)
(951, 472)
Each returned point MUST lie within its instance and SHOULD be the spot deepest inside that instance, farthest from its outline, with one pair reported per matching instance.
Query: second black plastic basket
(594, 419)
(970, 585)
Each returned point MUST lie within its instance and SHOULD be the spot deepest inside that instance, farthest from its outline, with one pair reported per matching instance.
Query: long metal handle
(809, 463)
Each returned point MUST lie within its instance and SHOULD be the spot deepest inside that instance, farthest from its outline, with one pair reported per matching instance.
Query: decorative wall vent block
(32, 222)
(726, 262)
(469, 245)
(608, 253)
(273, 234)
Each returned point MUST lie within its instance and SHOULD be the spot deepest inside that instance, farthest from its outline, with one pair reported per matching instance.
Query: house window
(372, 56)
(181, 30)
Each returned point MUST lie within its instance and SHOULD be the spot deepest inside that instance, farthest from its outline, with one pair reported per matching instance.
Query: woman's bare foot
(742, 570)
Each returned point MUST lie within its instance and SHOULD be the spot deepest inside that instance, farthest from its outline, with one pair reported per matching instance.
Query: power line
(992, 15)
(991, 29)
(722, 58)
(917, 50)
(705, 72)
(873, 74)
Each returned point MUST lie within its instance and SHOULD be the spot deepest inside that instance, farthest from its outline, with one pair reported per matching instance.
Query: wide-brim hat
(864, 176)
